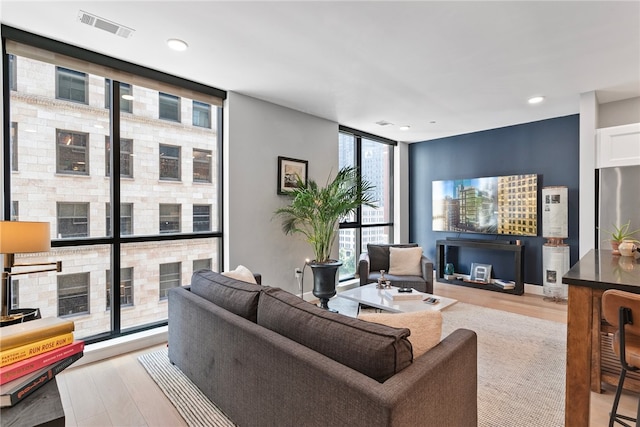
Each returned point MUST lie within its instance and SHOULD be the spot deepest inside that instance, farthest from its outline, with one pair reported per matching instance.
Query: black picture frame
(288, 169)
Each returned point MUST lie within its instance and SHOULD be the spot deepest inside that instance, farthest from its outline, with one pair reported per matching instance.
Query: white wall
(624, 112)
(256, 133)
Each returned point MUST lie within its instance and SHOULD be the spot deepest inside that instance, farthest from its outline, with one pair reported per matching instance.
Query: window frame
(209, 166)
(202, 106)
(85, 285)
(70, 147)
(164, 163)
(357, 224)
(73, 218)
(21, 43)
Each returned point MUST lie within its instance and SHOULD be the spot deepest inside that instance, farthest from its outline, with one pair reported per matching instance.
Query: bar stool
(619, 309)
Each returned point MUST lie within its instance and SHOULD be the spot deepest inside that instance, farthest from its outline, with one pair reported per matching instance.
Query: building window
(169, 218)
(73, 294)
(72, 152)
(126, 96)
(73, 220)
(169, 162)
(169, 107)
(169, 277)
(71, 85)
(15, 293)
(202, 165)
(13, 78)
(201, 114)
(13, 137)
(126, 219)
(15, 210)
(126, 157)
(373, 156)
(201, 264)
(201, 218)
(126, 287)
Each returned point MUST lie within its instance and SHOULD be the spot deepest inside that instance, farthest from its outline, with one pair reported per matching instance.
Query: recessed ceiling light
(127, 97)
(536, 99)
(177, 44)
(405, 127)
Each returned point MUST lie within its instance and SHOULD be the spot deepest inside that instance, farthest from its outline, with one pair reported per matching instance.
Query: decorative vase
(324, 281)
(627, 247)
(614, 247)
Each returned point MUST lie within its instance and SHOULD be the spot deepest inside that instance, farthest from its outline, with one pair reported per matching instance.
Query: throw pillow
(425, 327)
(405, 261)
(241, 273)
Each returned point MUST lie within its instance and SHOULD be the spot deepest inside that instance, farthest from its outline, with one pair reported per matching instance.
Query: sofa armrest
(427, 272)
(363, 268)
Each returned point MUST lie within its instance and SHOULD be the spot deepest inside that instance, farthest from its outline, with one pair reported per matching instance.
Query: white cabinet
(618, 146)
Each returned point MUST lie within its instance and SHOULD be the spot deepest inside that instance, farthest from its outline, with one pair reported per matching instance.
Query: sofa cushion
(379, 255)
(405, 261)
(425, 327)
(241, 273)
(233, 295)
(375, 350)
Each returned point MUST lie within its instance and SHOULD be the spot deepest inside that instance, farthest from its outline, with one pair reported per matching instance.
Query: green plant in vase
(620, 234)
(315, 212)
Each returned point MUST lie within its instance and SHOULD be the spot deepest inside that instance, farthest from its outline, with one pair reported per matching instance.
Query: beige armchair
(377, 258)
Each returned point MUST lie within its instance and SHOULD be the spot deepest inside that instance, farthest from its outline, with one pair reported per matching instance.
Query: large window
(65, 179)
(13, 80)
(373, 156)
(13, 138)
(71, 85)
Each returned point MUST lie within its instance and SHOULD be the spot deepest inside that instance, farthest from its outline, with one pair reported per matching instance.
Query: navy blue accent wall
(548, 148)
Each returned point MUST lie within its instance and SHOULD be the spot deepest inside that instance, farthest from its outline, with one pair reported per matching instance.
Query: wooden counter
(596, 272)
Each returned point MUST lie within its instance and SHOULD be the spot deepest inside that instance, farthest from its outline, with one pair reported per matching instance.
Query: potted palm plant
(315, 211)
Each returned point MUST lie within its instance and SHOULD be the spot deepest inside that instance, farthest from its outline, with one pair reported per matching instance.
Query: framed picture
(480, 273)
(289, 170)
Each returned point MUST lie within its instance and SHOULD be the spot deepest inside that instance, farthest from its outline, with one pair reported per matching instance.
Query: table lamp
(21, 237)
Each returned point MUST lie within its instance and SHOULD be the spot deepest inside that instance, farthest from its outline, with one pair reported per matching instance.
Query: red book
(26, 366)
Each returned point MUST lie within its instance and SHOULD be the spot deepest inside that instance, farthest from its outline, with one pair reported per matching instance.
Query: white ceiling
(444, 68)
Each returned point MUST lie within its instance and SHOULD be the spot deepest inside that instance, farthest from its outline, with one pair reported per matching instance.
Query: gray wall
(256, 133)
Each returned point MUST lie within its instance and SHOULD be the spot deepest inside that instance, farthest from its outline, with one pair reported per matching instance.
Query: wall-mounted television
(492, 205)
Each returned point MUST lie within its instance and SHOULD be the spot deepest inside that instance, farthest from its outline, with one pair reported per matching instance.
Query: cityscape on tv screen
(493, 205)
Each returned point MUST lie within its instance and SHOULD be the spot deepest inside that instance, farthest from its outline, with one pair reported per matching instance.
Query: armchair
(377, 258)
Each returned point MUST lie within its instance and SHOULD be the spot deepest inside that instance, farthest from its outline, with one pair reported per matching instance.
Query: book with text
(17, 354)
(395, 295)
(32, 364)
(35, 330)
(16, 390)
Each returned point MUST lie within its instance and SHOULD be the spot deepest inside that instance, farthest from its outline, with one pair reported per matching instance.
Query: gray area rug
(521, 370)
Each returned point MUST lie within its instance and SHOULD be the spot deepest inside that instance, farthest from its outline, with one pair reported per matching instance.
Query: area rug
(521, 371)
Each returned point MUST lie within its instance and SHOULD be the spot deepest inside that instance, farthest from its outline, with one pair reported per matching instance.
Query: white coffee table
(372, 296)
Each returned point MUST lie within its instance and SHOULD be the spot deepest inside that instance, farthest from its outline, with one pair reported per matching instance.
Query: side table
(42, 408)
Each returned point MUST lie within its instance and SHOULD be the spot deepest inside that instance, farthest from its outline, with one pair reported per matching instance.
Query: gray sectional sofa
(268, 358)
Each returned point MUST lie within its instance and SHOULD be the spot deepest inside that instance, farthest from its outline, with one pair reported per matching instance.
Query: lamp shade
(24, 237)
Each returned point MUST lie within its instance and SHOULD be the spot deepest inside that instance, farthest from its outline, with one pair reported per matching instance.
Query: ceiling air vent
(104, 24)
(383, 123)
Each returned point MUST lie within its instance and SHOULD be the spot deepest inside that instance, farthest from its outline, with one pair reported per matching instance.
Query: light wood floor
(118, 391)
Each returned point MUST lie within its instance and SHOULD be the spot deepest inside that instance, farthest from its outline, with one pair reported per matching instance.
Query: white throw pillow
(425, 327)
(241, 273)
(405, 261)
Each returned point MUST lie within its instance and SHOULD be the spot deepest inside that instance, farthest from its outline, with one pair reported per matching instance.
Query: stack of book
(32, 354)
(504, 284)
